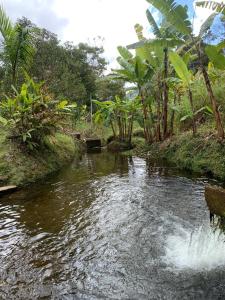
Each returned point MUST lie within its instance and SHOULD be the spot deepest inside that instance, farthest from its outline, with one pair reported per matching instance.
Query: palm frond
(158, 42)
(152, 22)
(216, 6)
(124, 52)
(6, 26)
(174, 14)
(20, 48)
(207, 25)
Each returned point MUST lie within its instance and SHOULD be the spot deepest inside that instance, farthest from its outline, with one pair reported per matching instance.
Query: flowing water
(110, 227)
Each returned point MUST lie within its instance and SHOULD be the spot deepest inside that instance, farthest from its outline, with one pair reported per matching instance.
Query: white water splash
(202, 249)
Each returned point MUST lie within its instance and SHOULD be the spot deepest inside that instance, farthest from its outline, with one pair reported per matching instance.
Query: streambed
(108, 227)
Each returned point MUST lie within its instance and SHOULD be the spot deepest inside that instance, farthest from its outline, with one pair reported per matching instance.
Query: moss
(20, 167)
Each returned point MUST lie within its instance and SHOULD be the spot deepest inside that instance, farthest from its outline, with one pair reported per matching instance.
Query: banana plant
(156, 52)
(216, 56)
(18, 46)
(119, 114)
(216, 6)
(177, 16)
(137, 71)
(187, 78)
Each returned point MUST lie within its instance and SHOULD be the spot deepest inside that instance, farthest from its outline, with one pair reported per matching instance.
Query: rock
(215, 199)
(7, 189)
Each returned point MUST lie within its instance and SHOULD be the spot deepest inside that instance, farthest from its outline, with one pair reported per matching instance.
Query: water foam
(201, 249)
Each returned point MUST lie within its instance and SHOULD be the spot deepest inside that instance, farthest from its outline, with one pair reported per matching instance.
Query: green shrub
(32, 114)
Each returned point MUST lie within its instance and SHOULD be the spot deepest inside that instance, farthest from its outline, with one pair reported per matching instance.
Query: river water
(110, 227)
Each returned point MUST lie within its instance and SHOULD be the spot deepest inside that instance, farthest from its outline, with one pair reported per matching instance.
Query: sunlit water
(110, 227)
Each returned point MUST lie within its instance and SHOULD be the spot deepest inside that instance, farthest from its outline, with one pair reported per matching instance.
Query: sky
(87, 20)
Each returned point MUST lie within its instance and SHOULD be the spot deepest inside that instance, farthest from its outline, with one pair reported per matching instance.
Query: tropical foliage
(165, 69)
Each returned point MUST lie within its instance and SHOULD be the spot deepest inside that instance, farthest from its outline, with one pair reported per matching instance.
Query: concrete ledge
(7, 189)
(93, 143)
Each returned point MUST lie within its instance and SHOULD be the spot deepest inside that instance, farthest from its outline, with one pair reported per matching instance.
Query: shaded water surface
(99, 230)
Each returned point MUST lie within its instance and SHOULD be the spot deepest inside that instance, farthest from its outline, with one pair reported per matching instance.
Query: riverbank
(20, 167)
(202, 154)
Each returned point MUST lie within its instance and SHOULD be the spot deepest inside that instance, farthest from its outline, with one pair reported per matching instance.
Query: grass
(20, 167)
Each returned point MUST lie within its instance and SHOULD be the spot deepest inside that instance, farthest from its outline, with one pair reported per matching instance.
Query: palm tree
(156, 53)
(177, 16)
(216, 6)
(137, 71)
(18, 46)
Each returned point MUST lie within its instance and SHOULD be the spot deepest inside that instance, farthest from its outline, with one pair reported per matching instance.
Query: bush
(32, 114)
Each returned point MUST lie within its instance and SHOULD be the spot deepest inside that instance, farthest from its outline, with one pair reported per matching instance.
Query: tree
(107, 88)
(18, 46)
(177, 16)
(136, 71)
(155, 52)
(186, 76)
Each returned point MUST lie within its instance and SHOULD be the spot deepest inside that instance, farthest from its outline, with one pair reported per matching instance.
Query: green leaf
(207, 25)
(157, 42)
(153, 23)
(124, 53)
(3, 121)
(6, 26)
(217, 58)
(216, 6)
(175, 14)
(62, 104)
(180, 68)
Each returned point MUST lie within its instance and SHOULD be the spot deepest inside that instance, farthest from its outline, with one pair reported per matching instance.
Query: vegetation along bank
(170, 87)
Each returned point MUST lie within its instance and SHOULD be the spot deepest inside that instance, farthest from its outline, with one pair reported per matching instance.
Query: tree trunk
(219, 125)
(159, 98)
(194, 129)
(166, 95)
(147, 134)
(113, 129)
(173, 115)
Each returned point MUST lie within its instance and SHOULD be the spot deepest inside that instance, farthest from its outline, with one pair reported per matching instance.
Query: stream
(110, 227)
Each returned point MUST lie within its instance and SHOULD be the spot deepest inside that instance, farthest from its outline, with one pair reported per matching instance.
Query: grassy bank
(202, 154)
(19, 167)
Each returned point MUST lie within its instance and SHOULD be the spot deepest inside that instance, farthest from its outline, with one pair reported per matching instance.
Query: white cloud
(39, 12)
(112, 20)
(83, 20)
